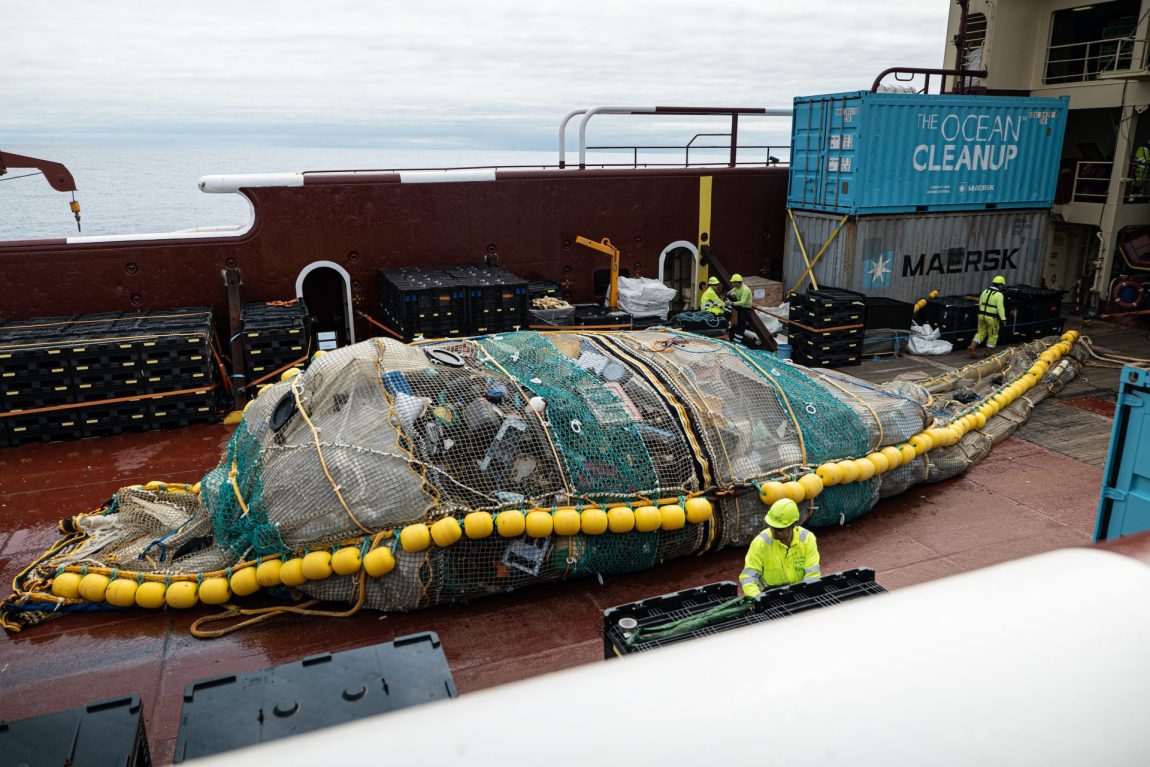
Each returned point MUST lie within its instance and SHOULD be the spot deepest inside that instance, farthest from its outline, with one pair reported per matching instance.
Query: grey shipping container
(908, 256)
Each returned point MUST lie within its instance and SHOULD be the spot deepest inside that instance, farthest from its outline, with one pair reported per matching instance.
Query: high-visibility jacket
(1142, 161)
(992, 304)
(742, 297)
(710, 302)
(771, 563)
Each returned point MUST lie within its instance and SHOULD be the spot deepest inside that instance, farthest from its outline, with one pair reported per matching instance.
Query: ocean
(149, 190)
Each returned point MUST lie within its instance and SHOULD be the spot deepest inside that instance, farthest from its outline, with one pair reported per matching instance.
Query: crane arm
(605, 246)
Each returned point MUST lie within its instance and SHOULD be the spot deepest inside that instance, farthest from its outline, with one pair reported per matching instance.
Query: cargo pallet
(275, 336)
(771, 604)
(452, 301)
(109, 732)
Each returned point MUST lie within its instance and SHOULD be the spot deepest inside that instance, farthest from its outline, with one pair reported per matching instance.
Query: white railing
(1081, 61)
(1091, 181)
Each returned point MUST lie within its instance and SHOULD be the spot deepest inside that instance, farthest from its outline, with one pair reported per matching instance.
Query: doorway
(325, 288)
(679, 270)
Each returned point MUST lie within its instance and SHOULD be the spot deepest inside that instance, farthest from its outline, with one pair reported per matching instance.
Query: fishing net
(506, 447)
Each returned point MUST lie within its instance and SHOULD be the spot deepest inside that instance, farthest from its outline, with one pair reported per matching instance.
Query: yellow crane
(605, 246)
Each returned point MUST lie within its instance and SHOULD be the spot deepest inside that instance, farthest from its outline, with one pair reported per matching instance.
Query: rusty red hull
(367, 222)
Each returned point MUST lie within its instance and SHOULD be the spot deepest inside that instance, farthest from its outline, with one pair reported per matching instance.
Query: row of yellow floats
(127, 589)
(843, 472)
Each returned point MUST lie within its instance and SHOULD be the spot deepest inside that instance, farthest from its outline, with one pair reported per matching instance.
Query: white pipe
(589, 113)
(218, 184)
(1040, 661)
(563, 135)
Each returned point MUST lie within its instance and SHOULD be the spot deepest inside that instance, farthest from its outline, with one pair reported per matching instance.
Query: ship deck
(1036, 492)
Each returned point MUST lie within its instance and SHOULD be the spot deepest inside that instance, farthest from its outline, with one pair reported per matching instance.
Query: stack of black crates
(86, 375)
(955, 318)
(276, 336)
(451, 301)
(1031, 313)
(827, 327)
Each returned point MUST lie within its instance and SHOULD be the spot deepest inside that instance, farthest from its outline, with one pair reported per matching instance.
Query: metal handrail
(1080, 195)
(635, 148)
(959, 74)
(1120, 59)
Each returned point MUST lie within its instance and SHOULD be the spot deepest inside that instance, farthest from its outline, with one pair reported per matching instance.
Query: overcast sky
(425, 73)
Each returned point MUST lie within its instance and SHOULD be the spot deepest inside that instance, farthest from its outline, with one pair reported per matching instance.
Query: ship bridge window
(1091, 40)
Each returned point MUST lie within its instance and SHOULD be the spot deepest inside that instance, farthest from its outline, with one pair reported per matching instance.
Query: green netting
(603, 453)
(613, 554)
(843, 503)
(243, 534)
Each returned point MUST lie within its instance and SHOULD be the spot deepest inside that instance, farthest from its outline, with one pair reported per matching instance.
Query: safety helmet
(999, 280)
(713, 281)
(736, 278)
(783, 513)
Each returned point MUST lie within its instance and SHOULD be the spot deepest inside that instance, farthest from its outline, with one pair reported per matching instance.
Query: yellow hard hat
(736, 278)
(999, 280)
(713, 281)
(783, 513)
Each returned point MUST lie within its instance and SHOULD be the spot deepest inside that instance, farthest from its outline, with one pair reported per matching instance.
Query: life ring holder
(444, 357)
(1120, 287)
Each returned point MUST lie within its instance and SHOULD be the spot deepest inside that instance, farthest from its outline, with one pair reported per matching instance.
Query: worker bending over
(783, 553)
(710, 301)
(741, 300)
(991, 315)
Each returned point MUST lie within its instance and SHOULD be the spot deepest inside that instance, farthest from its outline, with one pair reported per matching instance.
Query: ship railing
(768, 154)
(1091, 180)
(1088, 60)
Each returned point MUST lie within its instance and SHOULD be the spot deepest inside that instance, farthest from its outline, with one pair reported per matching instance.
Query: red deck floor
(1022, 500)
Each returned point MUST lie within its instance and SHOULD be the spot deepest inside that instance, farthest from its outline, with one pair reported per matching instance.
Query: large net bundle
(397, 477)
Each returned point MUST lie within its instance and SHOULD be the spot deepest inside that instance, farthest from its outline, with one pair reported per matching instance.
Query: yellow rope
(236, 488)
(258, 615)
(877, 421)
(319, 453)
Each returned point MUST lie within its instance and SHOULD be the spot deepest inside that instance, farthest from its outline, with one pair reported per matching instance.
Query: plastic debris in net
(477, 466)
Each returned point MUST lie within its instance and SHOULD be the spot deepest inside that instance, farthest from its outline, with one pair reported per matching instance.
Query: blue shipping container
(1124, 508)
(866, 153)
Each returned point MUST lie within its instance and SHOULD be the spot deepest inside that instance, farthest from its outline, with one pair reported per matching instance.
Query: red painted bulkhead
(530, 219)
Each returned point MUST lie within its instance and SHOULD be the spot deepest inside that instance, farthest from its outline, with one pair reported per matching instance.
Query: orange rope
(132, 398)
(107, 319)
(379, 325)
(274, 373)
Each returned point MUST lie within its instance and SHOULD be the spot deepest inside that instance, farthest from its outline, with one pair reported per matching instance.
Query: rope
(729, 609)
(319, 453)
(93, 403)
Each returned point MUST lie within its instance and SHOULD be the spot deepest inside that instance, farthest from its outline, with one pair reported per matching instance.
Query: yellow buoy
(594, 521)
(864, 468)
(830, 473)
(539, 524)
(510, 524)
(214, 591)
(893, 456)
(566, 521)
(880, 462)
(415, 537)
(446, 531)
(921, 443)
(794, 491)
(290, 373)
(268, 573)
(291, 572)
(181, 595)
(66, 585)
(907, 452)
(769, 492)
(979, 419)
(621, 520)
(244, 582)
(195, 488)
(94, 587)
(121, 592)
(378, 562)
(698, 510)
(812, 485)
(850, 472)
(346, 561)
(673, 516)
(478, 524)
(317, 565)
(151, 594)
(647, 518)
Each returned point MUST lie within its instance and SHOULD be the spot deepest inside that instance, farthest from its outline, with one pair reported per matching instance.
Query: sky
(428, 73)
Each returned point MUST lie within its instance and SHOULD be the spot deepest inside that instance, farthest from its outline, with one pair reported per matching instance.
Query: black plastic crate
(544, 289)
(109, 733)
(24, 362)
(113, 418)
(828, 344)
(1033, 304)
(597, 316)
(954, 316)
(182, 410)
(827, 336)
(819, 318)
(1052, 327)
(230, 712)
(817, 360)
(21, 399)
(888, 313)
(771, 604)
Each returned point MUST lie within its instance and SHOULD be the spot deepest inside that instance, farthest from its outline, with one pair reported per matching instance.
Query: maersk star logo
(878, 270)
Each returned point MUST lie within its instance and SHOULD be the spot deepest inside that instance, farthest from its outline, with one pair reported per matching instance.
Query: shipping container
(906, 257)
(878, 153)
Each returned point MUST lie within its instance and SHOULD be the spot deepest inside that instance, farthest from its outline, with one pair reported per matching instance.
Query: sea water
(151, 190)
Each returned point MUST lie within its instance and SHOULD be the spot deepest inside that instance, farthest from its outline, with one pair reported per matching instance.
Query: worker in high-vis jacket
(710, 301)
(991, 315)
(741, 299)
(782, 553)
(1141, 171)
